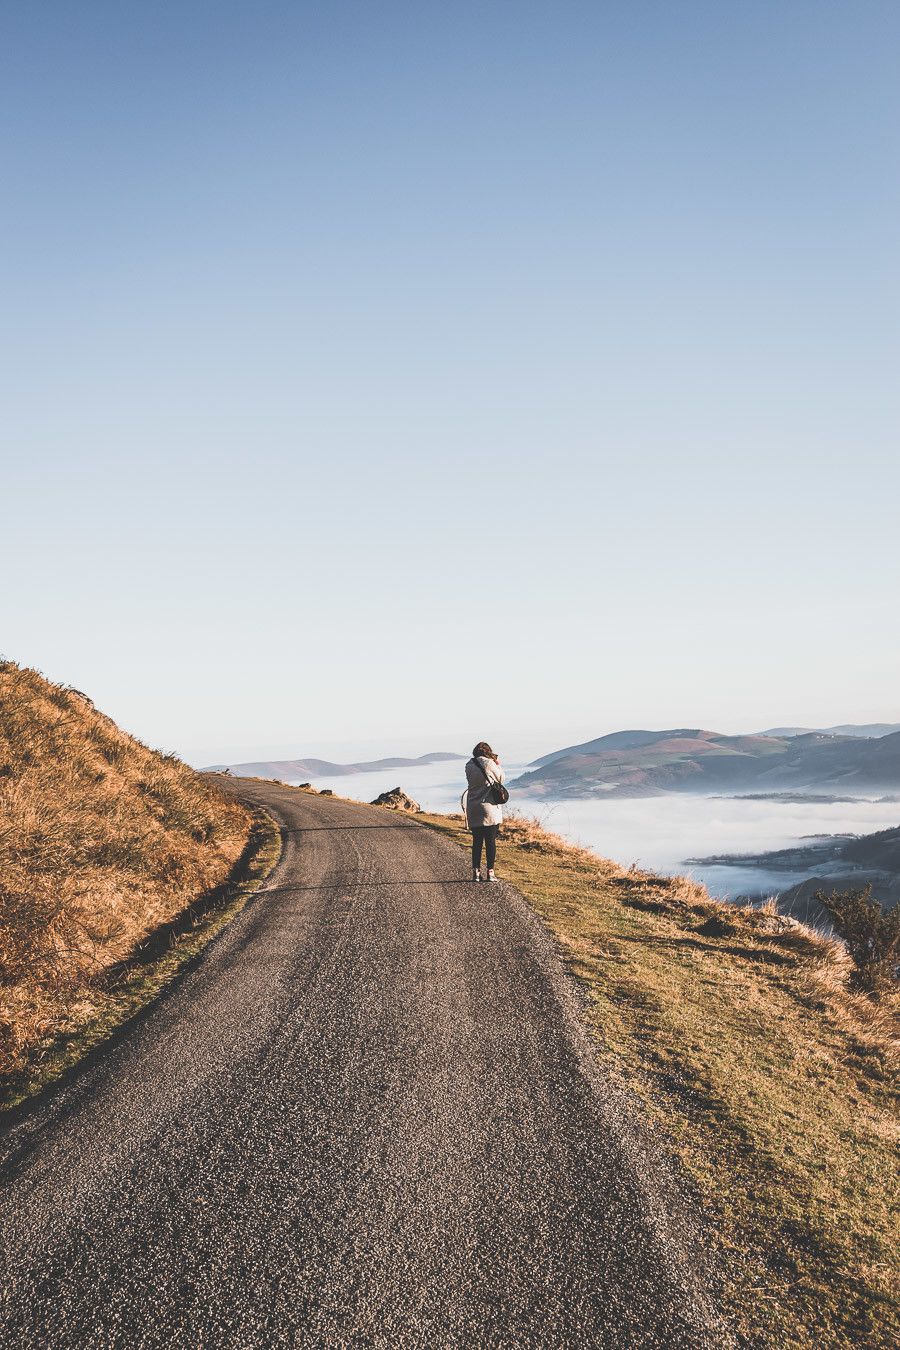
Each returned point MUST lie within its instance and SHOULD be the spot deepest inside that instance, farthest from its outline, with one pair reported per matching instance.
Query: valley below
(839, 862)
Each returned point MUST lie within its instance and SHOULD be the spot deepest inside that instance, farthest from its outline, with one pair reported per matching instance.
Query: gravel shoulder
(367, 1116)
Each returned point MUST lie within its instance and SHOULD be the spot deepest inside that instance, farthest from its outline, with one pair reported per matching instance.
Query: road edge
(621, 1112)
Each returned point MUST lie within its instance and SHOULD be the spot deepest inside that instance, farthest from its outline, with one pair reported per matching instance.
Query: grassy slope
(771, 1083)
(103, 843)
(126, 989)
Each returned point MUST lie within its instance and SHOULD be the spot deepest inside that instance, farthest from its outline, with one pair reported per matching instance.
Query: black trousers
(486, 835)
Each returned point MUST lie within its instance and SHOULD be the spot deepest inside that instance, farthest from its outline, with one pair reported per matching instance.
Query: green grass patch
(123, 991)
(771, 1082)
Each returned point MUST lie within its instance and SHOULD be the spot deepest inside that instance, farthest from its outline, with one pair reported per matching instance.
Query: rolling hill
(648, 763)
(287, 769)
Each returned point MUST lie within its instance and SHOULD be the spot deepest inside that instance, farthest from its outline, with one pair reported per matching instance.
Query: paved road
(366, 1117)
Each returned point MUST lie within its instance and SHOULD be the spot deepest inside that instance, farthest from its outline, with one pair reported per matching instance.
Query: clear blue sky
(396, 375)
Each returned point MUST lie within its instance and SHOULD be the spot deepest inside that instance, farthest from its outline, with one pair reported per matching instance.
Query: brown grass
(771, 1080)
(102, 841)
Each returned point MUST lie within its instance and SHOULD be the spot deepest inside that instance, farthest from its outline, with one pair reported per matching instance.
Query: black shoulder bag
(498, 794)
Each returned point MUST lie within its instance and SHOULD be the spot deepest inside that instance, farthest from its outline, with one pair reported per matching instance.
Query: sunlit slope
(101, 841)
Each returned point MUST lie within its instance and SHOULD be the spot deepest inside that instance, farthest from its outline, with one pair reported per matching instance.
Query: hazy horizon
(352, 752)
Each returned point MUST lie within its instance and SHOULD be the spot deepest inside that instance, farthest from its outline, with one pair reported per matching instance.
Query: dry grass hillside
(774, 1083)
(102, 841)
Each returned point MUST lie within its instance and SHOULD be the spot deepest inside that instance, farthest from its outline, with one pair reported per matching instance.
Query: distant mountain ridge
(859, 729)
(648, 763)
(323, 768)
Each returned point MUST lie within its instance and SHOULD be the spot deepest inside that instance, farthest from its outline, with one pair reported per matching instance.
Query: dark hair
(482, 748)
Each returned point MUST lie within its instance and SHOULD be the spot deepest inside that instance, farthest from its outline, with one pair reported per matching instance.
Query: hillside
(287, 769)
(102, 841)
(646, 763)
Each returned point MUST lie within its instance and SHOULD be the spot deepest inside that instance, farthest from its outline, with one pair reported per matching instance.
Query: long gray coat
(479, 810)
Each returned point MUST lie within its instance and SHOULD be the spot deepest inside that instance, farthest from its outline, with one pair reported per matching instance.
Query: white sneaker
(476, 875)
(490, 875)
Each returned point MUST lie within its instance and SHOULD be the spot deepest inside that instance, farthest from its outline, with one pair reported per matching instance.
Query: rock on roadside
(396, 800)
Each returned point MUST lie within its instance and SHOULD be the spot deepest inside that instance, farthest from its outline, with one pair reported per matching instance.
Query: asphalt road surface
(367, 1116)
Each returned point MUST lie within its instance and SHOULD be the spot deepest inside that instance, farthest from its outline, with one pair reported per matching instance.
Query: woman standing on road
(483, 810)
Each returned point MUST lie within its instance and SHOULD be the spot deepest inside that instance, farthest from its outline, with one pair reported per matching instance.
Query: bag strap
(489, 781)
